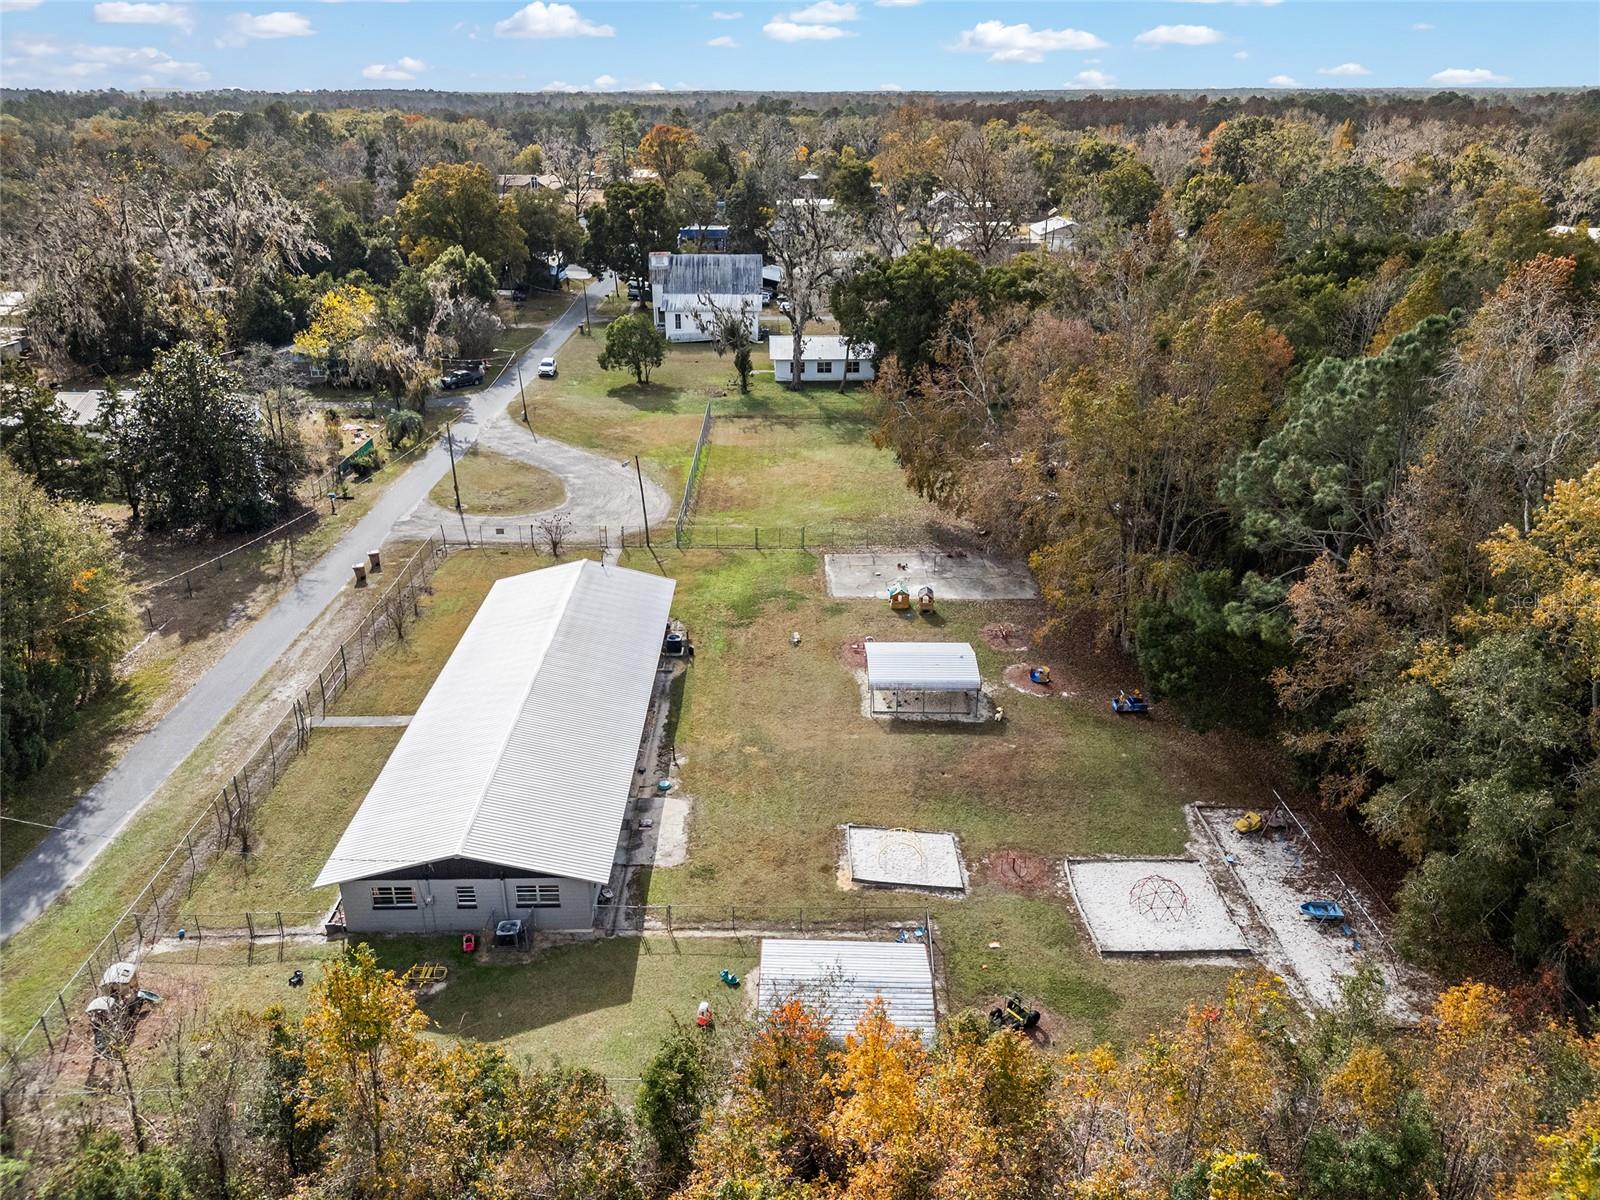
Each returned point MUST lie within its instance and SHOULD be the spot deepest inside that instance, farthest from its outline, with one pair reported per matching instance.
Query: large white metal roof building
(522, 754)
(842, 978)
(922, 667)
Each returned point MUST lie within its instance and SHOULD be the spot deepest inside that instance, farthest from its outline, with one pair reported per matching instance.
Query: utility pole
(522, 395)
(455, 483)
(643, 511)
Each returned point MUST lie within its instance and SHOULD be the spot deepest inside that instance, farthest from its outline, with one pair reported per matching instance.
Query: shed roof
(714, 275)
(818, 347)
(522, 753)
(922, 666)
(842, 978)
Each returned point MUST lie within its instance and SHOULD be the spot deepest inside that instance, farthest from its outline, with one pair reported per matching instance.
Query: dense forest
(1303, 413)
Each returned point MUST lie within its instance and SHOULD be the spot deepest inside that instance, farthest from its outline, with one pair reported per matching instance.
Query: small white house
(824, 358)
(1055, 232)
(505, 796)
(690, 291)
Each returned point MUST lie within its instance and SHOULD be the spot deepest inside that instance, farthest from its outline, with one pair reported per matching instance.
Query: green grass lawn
(777, 457)
(495, 485)
(295, 829)
(604, 1005)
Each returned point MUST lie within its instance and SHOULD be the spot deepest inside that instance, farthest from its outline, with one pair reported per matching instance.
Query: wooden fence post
(250, 925)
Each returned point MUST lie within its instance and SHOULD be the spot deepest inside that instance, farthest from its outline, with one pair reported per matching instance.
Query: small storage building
(506, 794)
(824, 358)
(841, 979)
(923, 678)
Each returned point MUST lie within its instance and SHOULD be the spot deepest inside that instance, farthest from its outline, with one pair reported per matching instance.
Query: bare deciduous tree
(555, 529)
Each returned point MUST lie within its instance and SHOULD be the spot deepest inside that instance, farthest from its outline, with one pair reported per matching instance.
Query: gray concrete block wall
(438, 912)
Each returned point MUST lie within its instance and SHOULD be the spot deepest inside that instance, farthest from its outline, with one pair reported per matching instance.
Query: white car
(547, 368)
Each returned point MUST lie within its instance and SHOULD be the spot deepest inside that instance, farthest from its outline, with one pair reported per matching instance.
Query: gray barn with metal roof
(689, 291)
(506, 794)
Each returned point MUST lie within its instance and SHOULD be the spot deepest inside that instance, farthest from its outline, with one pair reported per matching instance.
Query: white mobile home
(505, 796)
(689, 291)
(824, 358)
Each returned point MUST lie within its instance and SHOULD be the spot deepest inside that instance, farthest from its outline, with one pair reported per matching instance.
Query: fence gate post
(138, 926)
(669, 918)
(250, 925)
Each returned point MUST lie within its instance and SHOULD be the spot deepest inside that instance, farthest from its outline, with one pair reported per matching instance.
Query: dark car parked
(462, 377)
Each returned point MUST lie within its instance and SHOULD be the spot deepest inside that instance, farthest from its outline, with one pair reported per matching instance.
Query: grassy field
(603, 1005)
(777, 457)
(496, 485)
(295, 830)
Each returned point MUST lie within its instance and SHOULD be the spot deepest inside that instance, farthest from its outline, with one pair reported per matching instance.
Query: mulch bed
(1020, 871)
(1017, 676)
(854, 654)
(1005, 637)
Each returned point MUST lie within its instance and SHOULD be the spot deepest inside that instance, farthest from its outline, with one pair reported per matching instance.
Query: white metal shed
(905, 674)
(842, 978)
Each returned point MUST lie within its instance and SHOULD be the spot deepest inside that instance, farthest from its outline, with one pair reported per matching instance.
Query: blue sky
(823, 44)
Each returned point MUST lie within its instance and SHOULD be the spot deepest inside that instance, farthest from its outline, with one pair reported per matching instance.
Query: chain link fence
(226, 820)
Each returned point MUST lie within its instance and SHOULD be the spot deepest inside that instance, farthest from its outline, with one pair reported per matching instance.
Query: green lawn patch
(295, 829)
(495, 485)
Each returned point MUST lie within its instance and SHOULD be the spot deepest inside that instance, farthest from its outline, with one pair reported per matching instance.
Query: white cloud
(120, 12)
(781, 29)
(889, 87)
(1283, 81)
(42, 60)
(717, 15)
(897, 4)
(541, 20)
(1467, 76)
(247, 27)
(560, 85)
(1023, 43)
(1179, 35)
(1421, 26)
(825, 12)
(653, 86)
(724, 42)
(1344, 69)
(1090, 79)
(605, 81)
(406, 68)
(19, 5)
(1241, 55)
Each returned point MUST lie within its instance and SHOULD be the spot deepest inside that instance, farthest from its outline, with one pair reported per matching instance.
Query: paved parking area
(953, 576)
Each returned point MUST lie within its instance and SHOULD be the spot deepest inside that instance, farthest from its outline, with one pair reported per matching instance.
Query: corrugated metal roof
(923, 666)
(523, 751)
(818, 347)
(714, 275)
(842, 978)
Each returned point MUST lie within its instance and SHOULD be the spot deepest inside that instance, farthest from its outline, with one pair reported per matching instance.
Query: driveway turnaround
(100, 814)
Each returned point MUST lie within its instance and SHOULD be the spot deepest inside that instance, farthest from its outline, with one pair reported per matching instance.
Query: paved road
(101, 813)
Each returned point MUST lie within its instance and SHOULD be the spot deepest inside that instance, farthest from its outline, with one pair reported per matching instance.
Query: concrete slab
(867, 576)
(904, 858)
(1153, 906)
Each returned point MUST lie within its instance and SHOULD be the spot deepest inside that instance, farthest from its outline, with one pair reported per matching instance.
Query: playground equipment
(1158, 898)
(1134, 705)
(729, 979)
(1014, 1014)
(925, 599)
(425, 974)
(702, 1015)
(469, 943)
(899, 597)
(1322, 910)
(1039, 675)
(1251, 822)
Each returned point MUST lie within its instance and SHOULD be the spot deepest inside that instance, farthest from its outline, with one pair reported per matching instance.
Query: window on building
(538, 895)
(386, 895)
(825, 366)
(677, 320)
(852, 367)
(466, 896)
